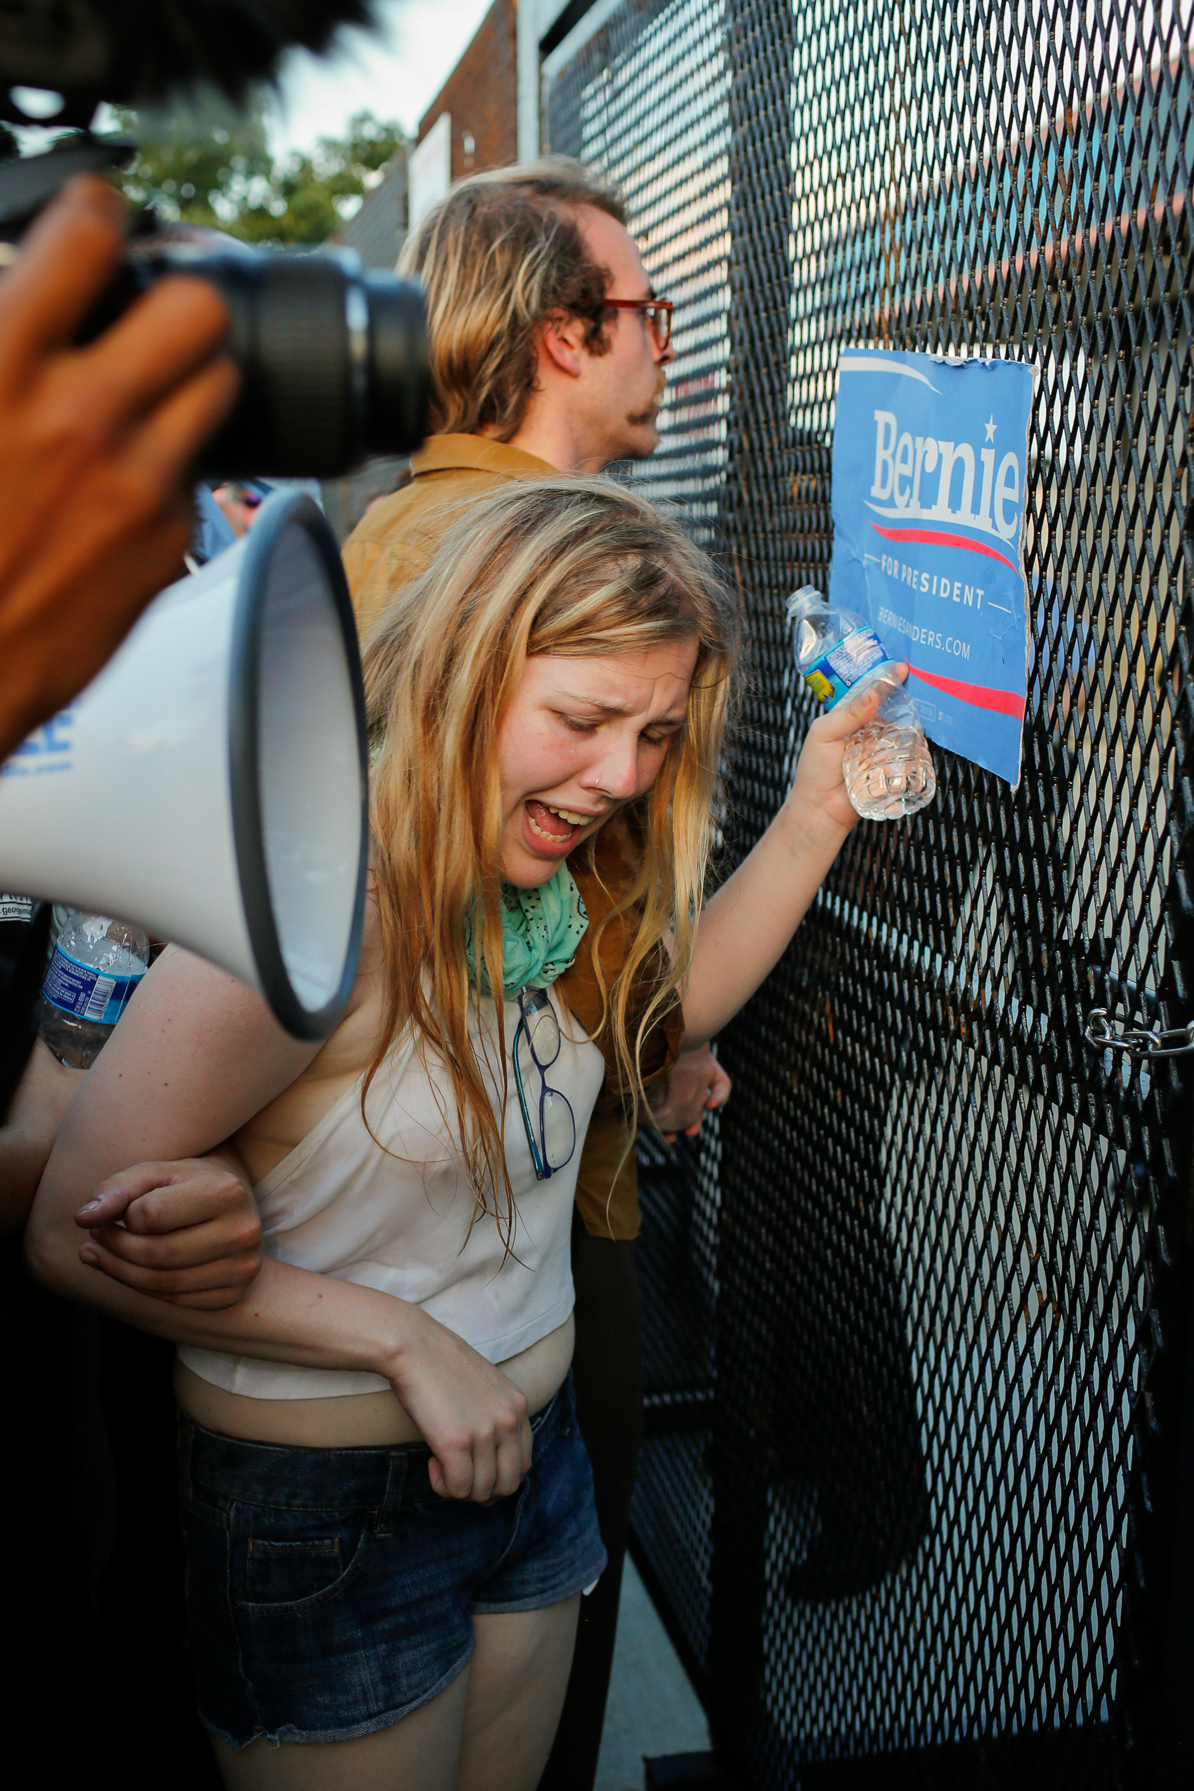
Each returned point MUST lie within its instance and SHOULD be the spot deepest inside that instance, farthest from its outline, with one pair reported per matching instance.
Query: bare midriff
(356, 1420)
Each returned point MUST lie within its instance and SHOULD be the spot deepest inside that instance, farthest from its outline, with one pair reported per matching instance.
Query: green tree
(199, 161)
(311, 195)
(205, 163)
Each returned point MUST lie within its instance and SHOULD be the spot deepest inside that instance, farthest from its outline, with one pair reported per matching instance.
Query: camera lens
(333, 361)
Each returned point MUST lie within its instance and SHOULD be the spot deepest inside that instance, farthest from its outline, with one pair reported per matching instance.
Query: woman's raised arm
(748, 924)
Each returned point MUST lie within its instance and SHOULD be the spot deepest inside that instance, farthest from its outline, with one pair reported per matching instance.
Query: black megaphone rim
(280, 512)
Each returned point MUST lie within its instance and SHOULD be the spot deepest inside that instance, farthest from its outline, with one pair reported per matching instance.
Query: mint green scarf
(541, 929)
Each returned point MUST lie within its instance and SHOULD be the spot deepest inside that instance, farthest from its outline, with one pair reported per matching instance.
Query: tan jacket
(396, 540)
(392, 545)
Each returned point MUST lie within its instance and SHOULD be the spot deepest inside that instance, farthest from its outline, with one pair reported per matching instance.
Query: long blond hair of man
(565, 566)
(500, 254)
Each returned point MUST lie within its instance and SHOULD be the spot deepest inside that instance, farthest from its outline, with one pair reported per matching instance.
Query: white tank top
(396, 1212)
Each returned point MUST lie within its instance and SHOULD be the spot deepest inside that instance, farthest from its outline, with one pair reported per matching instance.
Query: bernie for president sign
(929, 466)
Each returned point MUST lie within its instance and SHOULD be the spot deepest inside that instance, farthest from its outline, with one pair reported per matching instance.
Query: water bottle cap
(801, 602)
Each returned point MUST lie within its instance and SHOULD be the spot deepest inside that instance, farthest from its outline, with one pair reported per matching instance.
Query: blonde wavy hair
(502, 252)
(565, 566)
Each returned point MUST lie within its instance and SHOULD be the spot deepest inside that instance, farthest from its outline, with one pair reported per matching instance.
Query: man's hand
(189, 1231)
(96, 443)
(696, 1085)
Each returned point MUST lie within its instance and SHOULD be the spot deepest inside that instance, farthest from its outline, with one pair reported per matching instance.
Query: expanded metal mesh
(912, 1312)
(648, 100)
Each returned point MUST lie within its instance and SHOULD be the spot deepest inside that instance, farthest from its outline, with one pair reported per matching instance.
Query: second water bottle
(96, 965)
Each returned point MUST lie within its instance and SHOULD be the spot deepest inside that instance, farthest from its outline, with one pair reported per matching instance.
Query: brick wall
(481, 96)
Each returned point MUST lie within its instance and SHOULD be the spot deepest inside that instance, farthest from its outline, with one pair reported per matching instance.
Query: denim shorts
(330, 1592)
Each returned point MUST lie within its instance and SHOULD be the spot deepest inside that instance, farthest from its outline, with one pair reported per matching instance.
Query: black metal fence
(917, 1314)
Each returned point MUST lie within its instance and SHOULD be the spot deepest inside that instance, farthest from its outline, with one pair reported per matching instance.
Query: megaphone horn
(211, 783)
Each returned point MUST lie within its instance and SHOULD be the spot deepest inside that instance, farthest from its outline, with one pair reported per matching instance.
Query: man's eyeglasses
(658, 313)
(546, 1114)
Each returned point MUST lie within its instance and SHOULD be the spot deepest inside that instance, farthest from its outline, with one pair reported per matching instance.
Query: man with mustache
(548, 352)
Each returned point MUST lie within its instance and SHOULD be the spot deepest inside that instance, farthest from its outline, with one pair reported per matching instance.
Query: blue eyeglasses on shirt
(548, 1118)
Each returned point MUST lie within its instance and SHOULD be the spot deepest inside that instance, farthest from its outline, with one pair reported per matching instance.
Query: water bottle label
(87, 993)
(837, 671)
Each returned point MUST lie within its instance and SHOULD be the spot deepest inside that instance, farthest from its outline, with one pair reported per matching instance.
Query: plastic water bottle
(886, 764)
(95, 967)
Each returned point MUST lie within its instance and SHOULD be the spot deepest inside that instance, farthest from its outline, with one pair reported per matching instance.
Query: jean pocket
(288, 1572)
(298, 1573)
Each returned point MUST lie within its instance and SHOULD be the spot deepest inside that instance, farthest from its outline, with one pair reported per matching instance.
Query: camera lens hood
(399, 371)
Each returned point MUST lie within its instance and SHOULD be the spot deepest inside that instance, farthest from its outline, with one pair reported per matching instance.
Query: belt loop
(391, 1504)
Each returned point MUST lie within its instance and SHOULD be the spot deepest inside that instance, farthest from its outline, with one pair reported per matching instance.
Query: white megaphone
(211, 783)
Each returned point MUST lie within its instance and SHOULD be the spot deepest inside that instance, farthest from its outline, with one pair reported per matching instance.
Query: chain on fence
(912, 1307)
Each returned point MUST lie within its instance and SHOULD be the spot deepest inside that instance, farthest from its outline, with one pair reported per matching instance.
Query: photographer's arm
(95, 447)
(748, 924)
(195, 1056)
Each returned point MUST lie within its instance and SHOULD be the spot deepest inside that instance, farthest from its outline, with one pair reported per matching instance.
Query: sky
(394, 73)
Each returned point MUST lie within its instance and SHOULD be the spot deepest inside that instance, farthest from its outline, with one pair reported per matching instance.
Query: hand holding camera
(96, 449)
